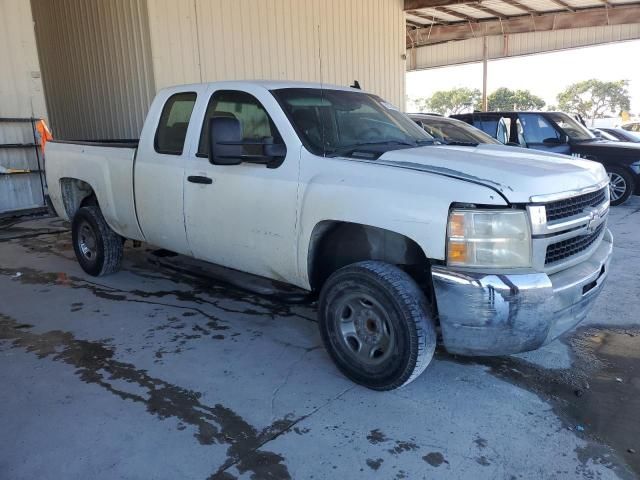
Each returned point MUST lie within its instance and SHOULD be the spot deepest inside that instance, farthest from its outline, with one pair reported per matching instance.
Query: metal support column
(485, 61)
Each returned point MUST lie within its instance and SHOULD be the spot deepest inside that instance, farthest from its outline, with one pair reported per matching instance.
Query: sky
(544, 74)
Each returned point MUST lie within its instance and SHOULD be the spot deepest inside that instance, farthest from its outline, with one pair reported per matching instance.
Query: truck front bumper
(492, 314)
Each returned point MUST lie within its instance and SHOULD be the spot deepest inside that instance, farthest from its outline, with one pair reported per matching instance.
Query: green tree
(421, 103)
(594, 98)
(456, 100)
(504, 99)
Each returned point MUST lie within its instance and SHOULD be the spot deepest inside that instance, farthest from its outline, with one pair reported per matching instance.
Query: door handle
(199, 179)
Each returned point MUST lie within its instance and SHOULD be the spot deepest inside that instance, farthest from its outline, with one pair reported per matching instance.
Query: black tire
(98, 248)
(396, 315)
(620, 177)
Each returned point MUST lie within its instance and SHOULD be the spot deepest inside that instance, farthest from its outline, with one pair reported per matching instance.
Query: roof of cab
(267, 84)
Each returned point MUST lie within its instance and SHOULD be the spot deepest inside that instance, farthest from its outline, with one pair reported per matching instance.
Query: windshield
(606, 135)
(627, 136)
(573, 129)
(453, 131)
(335, 122)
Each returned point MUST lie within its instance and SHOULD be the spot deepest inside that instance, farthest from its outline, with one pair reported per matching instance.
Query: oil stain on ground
(95, 364)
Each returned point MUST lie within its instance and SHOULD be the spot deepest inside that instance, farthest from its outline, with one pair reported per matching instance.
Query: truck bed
(105, 166)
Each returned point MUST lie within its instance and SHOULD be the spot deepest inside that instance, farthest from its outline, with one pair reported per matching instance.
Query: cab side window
(244, 107)
(536, 129)
(174, 121)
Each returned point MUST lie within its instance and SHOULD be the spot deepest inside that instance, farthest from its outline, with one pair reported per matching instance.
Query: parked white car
(335, 191)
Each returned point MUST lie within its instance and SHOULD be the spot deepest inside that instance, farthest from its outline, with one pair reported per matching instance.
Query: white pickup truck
(335, 191)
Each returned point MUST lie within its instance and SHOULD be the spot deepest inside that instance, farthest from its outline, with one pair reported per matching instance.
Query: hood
(517, 173)
(627, 150)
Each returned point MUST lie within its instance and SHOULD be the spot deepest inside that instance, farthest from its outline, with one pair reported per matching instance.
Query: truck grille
(566, 248)
(575, 205)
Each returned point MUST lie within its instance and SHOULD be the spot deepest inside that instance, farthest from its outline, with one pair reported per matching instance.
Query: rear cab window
(174, 122)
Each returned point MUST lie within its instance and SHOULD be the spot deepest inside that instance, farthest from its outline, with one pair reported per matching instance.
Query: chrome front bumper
(493, 314)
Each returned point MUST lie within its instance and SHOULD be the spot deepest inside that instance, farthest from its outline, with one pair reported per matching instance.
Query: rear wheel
(98, 248)
(375, 324)
(621, 185)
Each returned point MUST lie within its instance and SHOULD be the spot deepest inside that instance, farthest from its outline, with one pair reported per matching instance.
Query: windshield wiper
(461, 144)
(349, 149)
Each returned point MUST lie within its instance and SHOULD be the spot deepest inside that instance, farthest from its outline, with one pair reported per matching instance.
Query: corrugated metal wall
(335, 41)
(96, 66)
(467, 51)
(21, 92)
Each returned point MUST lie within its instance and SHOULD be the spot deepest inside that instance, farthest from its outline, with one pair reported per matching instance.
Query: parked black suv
(559, 133)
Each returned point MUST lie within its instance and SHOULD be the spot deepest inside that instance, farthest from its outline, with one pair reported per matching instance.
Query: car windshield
(573, 129)
(606, 135)
(633, 136)
(339, 122)
(453, 131)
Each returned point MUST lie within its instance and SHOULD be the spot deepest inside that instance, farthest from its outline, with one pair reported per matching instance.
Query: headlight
(488, 238)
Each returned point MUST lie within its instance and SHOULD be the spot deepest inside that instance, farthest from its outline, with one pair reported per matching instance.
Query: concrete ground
(155, 374)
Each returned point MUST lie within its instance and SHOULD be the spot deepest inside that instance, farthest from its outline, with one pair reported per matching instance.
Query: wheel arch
(76, 194)
(335, 244)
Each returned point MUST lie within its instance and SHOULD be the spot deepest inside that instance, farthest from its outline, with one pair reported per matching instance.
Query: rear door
(159, 170)
(243, 216)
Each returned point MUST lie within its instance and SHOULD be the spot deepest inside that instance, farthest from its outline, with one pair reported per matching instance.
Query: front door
(538, 133)
(243, 216)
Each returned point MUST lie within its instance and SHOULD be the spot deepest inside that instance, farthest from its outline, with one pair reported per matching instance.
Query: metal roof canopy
(431, 22)
(482, 29)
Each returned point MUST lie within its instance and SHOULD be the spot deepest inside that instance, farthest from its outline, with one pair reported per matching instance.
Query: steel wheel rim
(87, 241)
(364, 328)
(617, 186)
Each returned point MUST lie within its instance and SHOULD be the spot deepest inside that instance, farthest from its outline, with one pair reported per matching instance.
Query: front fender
(410, 203)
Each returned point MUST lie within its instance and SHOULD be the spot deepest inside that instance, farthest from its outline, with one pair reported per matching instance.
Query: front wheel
(98, 248)
(375, 324)
(621, 185)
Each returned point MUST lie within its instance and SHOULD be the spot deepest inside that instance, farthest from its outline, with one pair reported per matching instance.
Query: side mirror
(225, 141)
(227, 145)
(555, 141)
(275, 150)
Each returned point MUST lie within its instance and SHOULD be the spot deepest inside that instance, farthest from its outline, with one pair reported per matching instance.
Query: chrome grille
(569, 207)
(567, 248)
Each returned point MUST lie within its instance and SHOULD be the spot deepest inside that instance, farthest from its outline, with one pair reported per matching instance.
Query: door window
(254, 120)
(536, 129)
(174, 121)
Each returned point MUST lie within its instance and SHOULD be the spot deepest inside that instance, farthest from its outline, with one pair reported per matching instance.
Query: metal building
(102, 62)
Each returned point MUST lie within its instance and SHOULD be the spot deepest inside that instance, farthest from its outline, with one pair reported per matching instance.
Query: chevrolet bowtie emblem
(594, 221)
